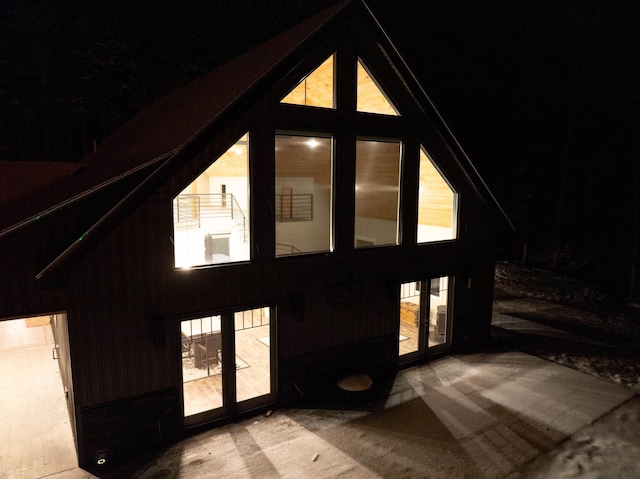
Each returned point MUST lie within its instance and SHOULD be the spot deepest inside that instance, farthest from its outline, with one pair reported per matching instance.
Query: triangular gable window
(437, 204)
(316, 89)
(211, 215)
(371, 99)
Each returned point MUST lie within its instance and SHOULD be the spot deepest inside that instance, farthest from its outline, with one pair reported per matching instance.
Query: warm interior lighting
(371, 98)
(377, 192)
(211, 215)
(316, 89)
(437, 204)
(303, 200)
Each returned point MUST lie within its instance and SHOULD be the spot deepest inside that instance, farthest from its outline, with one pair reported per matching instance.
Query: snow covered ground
(570, 323)
(607, 449)
(607, 342)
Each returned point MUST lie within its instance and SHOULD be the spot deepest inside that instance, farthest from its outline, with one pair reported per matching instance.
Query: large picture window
(303, 197)
(303, 200)
(211, 215)
(377, 193)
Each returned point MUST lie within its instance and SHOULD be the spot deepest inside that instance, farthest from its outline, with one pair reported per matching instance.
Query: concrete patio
(483, 415)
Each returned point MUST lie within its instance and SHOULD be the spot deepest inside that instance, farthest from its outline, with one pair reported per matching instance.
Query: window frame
(332, 195)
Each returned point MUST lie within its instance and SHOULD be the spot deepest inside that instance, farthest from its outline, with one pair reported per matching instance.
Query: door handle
(54, 351)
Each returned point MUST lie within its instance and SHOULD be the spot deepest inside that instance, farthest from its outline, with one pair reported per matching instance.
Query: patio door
(425, 309)
(227, 363)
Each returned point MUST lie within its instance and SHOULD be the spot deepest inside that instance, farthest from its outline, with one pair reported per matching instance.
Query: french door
(425, 311)
(227, 363)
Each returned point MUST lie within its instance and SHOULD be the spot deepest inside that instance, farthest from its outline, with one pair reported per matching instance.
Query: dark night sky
(545, 98)
(543, 95)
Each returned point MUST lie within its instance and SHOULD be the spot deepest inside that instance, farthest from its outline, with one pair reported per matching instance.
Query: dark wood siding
(27, 251)
(119, 290)
(22, 255)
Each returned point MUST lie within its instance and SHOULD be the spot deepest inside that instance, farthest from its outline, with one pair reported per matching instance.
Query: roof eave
(76, 198)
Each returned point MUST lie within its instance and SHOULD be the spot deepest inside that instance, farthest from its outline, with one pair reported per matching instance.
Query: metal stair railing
(186, 211)
(239, 219)
(190, 209)
(294, 207)
(286, 249)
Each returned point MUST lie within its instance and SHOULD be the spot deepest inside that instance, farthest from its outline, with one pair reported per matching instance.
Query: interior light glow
(312, 143)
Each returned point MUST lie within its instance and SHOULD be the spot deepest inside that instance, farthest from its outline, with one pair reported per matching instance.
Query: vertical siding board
(79, 363)
(97, 316)
(143, 272)
(5, 283)
(118, 298)
(83, 302)
(114, 321)
(147, 266)
(165, 264)
(118, 258)
(109, 320)
(77, 336)
(20, 292)
(105, 326)
(13, 296)
(140, 272)
(126, 242)
(5, 311)
(133, 269)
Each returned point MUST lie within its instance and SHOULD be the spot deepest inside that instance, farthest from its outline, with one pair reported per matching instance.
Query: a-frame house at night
(297, 215)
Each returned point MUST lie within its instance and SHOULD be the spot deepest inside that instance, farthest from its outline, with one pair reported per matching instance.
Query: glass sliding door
(227, 363)
(410, 331)
(438, 311)
(202, 386)
(424, 317)
(253, 353)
